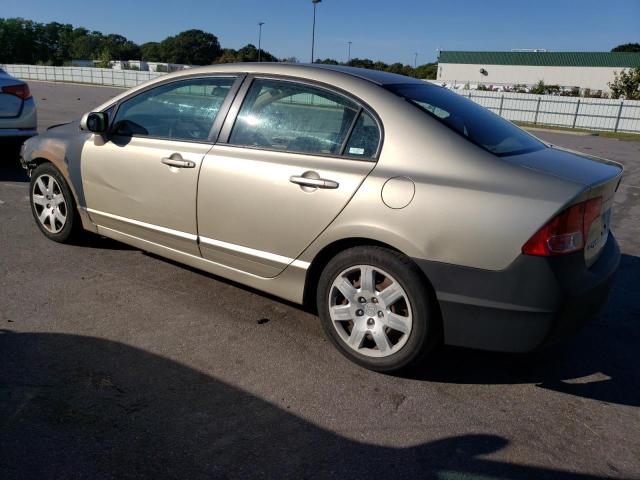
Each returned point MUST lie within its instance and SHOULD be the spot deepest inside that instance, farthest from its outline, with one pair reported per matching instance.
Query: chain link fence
(571, 112)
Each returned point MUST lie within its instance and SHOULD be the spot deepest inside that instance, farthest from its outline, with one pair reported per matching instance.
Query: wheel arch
(38, 160)
(322, 258)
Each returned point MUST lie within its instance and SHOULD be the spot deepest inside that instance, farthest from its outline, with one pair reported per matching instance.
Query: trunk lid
(599, 177)
(10, 105)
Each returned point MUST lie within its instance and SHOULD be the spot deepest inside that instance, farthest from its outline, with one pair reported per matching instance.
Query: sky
(391, 31)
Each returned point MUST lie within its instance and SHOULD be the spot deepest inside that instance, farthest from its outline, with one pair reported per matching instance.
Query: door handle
(313, 182)
(178, 162)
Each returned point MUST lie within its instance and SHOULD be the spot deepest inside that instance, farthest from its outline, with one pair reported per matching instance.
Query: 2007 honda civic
(406, 214)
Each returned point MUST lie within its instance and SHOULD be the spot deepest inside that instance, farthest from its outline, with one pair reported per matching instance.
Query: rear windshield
(475, 123)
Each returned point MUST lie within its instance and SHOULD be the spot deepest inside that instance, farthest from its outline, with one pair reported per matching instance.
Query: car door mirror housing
(96, 122)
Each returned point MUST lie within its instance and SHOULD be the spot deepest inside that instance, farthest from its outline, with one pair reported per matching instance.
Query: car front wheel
(53, 205)
(376, 308)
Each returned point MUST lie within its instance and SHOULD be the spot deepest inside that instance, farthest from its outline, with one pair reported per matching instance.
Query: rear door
(141, 179)
(284, 169)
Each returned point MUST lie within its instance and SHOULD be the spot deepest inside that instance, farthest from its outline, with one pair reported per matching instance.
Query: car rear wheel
(376, 308)
(52, 204)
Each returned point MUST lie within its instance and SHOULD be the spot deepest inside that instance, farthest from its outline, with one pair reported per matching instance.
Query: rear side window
(473, 122)
(183, 110)
(294, 117)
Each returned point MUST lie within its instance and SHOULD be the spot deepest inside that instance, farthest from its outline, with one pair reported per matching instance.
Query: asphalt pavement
(118, 364)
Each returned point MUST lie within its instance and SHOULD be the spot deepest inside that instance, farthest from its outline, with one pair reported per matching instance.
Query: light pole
(260, 40)
(415, 60)
(349, 57)
(313, 32)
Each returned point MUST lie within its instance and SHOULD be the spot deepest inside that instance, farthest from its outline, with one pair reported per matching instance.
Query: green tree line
(29, 42)
(26, 41)
(428, 70)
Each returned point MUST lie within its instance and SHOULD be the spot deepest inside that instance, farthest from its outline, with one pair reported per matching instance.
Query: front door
(295, 156)
(141, 179)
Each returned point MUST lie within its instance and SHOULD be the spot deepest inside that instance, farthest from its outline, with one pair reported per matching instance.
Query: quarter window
(183, 110)
(364, 140)
(293, 117)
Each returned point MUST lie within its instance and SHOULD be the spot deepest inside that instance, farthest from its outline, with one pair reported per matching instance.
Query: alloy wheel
(370, 311)
(49, 203)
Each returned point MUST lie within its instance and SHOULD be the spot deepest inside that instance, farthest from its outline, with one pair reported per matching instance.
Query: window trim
(347, 137)
(232, 115)
(218, 122)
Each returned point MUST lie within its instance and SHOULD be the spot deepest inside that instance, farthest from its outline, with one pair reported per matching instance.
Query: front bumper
(18, 132)
(532, 303)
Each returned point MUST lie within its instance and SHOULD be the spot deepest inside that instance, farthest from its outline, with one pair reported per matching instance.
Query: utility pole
(260, 40)
(349, 56)
(313, 32)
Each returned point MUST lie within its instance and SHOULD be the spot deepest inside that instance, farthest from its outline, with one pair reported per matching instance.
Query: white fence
(572, 112)
(98, 76)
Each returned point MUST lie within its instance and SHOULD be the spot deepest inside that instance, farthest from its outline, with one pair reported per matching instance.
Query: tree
(248, 53)
(192, 47)
(427, 71)
(86, 45)
(627, 47)
(104, 59)
(120, 48)
(151, 52)
(539, 89)
(17, 41)
(328, 61)
(626, 85)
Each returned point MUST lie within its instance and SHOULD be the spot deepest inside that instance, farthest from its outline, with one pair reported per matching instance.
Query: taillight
(566, 232)
(21, 91)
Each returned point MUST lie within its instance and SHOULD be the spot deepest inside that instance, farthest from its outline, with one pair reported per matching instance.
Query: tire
(58, 202)
(400, 307)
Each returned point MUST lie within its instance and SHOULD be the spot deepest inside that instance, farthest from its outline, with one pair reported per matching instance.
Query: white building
(593, 70)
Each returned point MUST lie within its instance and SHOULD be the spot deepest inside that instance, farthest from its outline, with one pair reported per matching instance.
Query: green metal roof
(552, 59)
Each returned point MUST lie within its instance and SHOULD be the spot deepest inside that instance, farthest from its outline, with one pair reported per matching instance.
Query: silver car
(18, 118)
(405, 214)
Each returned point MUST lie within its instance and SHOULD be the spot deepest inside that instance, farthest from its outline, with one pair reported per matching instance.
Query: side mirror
(96, 122)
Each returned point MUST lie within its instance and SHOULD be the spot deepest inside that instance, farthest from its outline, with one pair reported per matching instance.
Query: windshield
(475, 123)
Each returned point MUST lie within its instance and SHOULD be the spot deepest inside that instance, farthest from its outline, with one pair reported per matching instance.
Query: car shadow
(10, 168)
(84, 407)
(92, 240)
(602, 362)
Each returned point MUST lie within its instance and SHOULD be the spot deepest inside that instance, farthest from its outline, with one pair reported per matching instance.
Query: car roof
(307, 69)
(375, 76)
(347, 78)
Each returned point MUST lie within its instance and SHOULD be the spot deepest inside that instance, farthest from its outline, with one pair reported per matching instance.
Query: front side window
(183, 110)
(473, 122)
(293, 117)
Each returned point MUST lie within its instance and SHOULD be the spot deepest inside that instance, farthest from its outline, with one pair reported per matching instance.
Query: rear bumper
(25, 124)
(532, 303)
